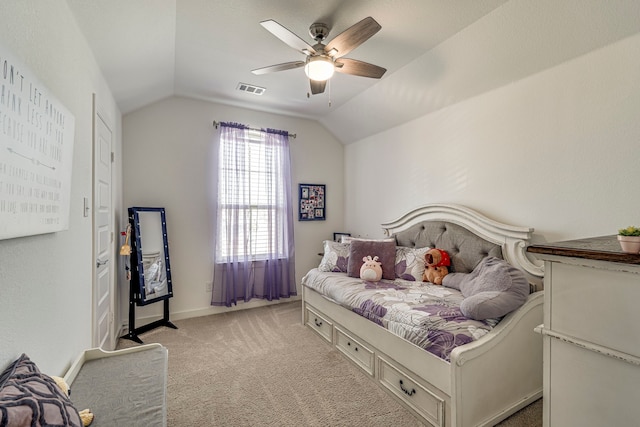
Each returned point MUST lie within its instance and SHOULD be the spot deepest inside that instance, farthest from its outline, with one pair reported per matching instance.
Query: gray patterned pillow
(31, 398)
(410, 263)
(335, 258)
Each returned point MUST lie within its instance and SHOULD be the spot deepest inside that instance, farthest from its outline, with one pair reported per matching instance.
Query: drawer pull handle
(318, 323)
(406, 391)
(349, 344)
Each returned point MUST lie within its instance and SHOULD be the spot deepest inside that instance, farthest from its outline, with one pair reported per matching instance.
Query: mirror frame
(137, 259)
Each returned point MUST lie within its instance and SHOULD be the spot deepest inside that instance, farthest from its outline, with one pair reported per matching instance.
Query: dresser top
(602, 248)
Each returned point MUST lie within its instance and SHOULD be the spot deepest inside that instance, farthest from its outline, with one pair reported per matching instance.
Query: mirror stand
(133, 331)
(150, 269)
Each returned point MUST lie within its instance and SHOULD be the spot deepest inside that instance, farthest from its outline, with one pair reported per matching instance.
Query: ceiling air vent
(256, 90)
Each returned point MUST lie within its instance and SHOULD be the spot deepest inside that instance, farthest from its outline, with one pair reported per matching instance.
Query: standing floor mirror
(150, 267)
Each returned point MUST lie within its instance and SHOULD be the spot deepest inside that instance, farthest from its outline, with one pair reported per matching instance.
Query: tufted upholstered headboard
(465, 248)
(467, 236)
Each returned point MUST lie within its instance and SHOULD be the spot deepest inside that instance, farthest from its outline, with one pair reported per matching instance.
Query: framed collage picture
(312, 202)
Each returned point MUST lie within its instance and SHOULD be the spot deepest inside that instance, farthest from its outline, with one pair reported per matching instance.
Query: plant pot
(630, 244)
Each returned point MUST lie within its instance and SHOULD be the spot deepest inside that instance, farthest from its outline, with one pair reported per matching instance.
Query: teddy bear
(85, 415)
(437, 262)
(371, 270)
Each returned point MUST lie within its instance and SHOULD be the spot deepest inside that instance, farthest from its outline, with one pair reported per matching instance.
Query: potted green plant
(629, 239)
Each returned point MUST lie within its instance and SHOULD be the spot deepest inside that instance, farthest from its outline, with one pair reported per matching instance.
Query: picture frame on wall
(337, 237)
(312, 206)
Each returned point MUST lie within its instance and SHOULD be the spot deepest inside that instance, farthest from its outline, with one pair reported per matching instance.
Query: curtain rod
(216, 124)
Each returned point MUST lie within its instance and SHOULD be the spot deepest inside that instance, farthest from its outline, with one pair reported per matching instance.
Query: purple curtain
(254, 250)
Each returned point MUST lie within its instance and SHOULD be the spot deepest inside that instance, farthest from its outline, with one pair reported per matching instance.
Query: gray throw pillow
(493, 289)
(385, 250)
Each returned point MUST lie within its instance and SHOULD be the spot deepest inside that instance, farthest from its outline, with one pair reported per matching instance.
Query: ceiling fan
(322, 60)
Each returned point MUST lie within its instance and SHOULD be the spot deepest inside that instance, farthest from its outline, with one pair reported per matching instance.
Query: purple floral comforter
(425, 314)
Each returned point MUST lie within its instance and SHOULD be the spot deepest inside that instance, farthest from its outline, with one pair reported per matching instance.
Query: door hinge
(113, 157)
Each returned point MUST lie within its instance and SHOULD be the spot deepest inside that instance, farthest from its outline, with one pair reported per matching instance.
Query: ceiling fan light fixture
(319, 68)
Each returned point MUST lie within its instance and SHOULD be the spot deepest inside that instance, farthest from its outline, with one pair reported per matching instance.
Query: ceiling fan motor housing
(319, 31)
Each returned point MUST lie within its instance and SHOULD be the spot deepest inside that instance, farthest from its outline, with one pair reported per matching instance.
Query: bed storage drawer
(421, 400)
(319, 323)
(355, 351)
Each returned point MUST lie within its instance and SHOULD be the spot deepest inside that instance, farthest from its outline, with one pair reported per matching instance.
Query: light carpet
(262, 367)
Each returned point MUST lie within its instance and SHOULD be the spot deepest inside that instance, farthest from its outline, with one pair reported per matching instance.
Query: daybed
(492, 371)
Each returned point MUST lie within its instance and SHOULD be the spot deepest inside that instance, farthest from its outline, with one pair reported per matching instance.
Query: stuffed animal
(371, 270)
(85, 415)
(437, 262)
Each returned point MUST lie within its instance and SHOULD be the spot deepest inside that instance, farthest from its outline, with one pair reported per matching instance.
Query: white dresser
(591, 333)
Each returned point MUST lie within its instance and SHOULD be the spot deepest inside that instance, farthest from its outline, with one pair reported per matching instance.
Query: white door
(103, 241)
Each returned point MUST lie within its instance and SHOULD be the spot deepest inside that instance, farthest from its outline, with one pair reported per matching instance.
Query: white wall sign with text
(36, 154)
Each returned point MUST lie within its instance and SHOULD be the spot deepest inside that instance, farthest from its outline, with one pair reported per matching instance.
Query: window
(251, 197)
(254, 253)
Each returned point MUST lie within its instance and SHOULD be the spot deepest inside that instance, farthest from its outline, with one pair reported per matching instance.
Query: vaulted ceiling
(152, 49)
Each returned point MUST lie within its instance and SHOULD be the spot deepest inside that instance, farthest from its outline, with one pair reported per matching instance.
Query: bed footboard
(501, 373)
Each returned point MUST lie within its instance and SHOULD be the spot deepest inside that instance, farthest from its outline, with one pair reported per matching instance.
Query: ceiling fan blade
(359, 68)
(278, 67)
(317, 87)
(353, 37)
(288, 37)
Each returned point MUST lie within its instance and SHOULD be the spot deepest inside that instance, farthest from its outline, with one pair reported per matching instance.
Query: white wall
(45, 280)
(557, 151)
(169, 161)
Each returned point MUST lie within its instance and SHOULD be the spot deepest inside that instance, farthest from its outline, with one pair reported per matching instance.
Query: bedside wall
(556, 151)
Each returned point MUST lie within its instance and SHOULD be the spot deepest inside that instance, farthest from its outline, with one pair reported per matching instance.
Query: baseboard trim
(188, 314)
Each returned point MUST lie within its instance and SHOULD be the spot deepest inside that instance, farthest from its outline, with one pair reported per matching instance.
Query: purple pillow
(385, 250)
